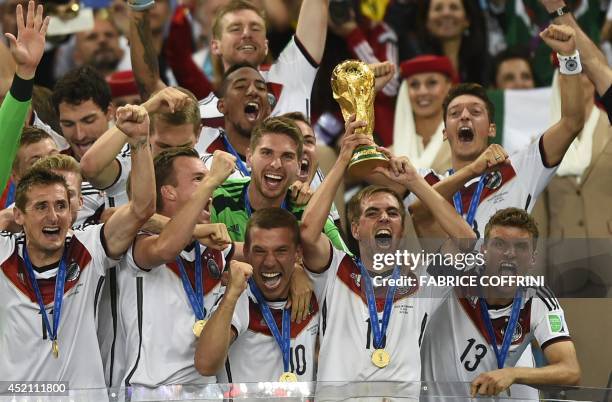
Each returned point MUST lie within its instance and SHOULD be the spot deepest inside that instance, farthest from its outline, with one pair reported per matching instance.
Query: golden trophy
(353, 87)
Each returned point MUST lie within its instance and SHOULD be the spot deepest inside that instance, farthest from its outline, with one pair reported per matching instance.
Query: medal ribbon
(196, 299)
(241, 166)
(378, 332)
(502, 354)
(473, 202)
(284, 340)
(60, 280)
(247, 202)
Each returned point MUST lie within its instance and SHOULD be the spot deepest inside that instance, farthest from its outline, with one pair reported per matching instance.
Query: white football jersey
(456, 346)
(346, 334)
(255, 356)
(156, 319)
(516, 185)
(116, 193)
(24, 343)
(289, 79)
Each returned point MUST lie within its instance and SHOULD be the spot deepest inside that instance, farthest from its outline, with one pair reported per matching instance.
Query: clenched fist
(133, 121)
(560, 38)
(223, 166)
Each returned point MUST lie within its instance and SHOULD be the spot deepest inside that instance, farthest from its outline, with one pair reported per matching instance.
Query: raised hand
(350, 140)
(223, 166)
(300, 192)
(383, 73)
(493, 158)
(217, 236)
(29, 45)
(133, 121)
(399, 170)
(239, 274)
(560, 38)
(168, 100)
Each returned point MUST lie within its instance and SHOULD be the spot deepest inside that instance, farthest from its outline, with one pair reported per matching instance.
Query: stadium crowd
(179, 205)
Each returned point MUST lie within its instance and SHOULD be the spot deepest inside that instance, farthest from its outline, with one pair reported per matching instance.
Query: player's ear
(18, 216)
(168, 192)
(444, 136)
(249, 155)
(492, 130)
(221, 106)
(355, 230)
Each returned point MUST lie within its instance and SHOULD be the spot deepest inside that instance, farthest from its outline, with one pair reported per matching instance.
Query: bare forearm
(179, 231)
(97, 163)
(447, 188)
(142, 180)
(143, 54)
(443, 212)
(317, 210)
(554, 374)
(214, 343)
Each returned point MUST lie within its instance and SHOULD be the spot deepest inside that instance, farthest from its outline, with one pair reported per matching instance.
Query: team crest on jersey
(495, 180)
(73, 272)
(518, 332)
(213, 268)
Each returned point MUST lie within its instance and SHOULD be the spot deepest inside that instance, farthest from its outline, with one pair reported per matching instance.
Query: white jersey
(346, 334)
(289, 80)
(457, 348)
(516, 185)
(93, 205)
(24, 343)
(156, 319)
(255, 356)
(217, 143)
(116, 193)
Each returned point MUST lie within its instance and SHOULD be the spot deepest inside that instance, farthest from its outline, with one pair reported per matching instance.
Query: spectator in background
(419, 124)
(123, 88)
(371, 42)
(513, 70)
(100, 47)
(456, 29)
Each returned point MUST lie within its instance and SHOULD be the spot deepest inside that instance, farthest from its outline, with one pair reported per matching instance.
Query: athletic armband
(570, 65)
(141, 5)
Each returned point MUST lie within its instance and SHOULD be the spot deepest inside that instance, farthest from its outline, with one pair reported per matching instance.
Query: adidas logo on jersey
(234, 228)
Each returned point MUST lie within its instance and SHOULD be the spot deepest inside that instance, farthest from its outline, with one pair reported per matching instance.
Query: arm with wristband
(557, 139)
(593, 60)
(26, 49)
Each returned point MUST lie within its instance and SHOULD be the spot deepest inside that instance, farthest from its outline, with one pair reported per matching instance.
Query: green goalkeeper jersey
(229, 207)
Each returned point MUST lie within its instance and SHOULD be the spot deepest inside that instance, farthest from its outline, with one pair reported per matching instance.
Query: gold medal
(55, 348)
(380, 358)
(198, 326)
(288, 376)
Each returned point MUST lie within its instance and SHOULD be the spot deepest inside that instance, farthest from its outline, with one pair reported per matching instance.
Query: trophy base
(366, 159)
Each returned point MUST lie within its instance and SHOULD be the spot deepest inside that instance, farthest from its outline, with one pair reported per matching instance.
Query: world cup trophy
(353, 87)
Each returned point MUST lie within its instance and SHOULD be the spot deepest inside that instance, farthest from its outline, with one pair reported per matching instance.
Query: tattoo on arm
(139, 145)
(146, 82)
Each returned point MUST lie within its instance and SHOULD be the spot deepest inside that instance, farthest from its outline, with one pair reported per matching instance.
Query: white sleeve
(7, 245)
(116, 194)
(295, 71)
(92, 238)
(547, 318)
(322, 281)
(240, 319)
(530, 169)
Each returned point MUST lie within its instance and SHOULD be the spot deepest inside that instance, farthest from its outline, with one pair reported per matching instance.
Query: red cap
(122, 83)
(429, 63)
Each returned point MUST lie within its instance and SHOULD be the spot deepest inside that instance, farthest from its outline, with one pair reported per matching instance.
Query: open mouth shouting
(465, 134)
(273, 181)
(247, 48)
(304, 169)
(383, 238)
(507, 269)
(51, 232)
(271, 280)
(252, 111)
